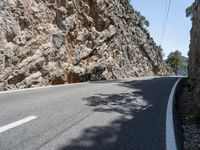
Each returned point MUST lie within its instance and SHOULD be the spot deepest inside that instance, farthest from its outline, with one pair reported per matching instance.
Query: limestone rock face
(45, 42)
(194, 60)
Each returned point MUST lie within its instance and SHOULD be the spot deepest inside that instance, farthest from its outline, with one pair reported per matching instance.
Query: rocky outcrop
(194, 62)
(65, 41)
(188, 103)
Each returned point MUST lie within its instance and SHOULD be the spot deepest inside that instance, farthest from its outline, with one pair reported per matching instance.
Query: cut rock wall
(189, 98)
(194, 61)
(64, 41)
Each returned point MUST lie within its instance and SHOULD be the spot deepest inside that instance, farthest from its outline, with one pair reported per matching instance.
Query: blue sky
(177, 33)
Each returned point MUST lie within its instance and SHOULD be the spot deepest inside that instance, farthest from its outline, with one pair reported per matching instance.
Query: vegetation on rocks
(189, 12)
(143, 19)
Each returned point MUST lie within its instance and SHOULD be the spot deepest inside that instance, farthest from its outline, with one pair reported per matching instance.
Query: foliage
(184, 68)
(185, 62)
(189, 12)
(143, 19)
(175, 61)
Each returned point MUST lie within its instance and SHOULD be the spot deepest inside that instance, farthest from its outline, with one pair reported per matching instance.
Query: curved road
(106, 115)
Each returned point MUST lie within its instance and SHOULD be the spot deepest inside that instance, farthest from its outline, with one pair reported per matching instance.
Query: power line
(165, 21)
(165, 12)
(164, 18)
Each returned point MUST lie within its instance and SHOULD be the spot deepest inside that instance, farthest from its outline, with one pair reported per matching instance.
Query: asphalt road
(107, 115)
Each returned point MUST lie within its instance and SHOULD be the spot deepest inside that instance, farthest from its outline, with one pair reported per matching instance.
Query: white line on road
(67, 85)
(17, 123)
(42, 87)
(170, 133)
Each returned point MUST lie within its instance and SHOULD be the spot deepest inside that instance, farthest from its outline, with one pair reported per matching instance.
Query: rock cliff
(45, 42)
(189, 98)
(194, 61)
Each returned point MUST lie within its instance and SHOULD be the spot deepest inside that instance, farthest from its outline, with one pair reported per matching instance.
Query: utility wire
(165, 21)
(164, 18)
(165, 12)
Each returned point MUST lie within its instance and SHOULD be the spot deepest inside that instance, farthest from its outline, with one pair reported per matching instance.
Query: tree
(175, 61)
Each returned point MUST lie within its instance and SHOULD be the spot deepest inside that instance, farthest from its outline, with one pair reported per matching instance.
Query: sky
(177, 33)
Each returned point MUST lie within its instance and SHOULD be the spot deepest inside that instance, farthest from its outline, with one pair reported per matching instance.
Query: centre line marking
(17, 123)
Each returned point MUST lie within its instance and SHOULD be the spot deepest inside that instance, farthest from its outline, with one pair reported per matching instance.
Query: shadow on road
(142, 122)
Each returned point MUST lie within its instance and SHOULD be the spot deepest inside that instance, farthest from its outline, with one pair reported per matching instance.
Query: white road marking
(71, 84)
(42, 87)
(170, 133)
(17, 123)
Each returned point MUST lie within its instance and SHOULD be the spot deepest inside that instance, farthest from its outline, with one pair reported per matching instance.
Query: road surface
(106, 115)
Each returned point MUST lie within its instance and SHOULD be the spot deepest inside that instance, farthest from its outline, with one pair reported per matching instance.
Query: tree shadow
(142, 122)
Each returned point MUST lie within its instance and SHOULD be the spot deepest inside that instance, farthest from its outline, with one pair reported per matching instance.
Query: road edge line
(49, 86)
(42, 87)
(52, 86)
(170, 132)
